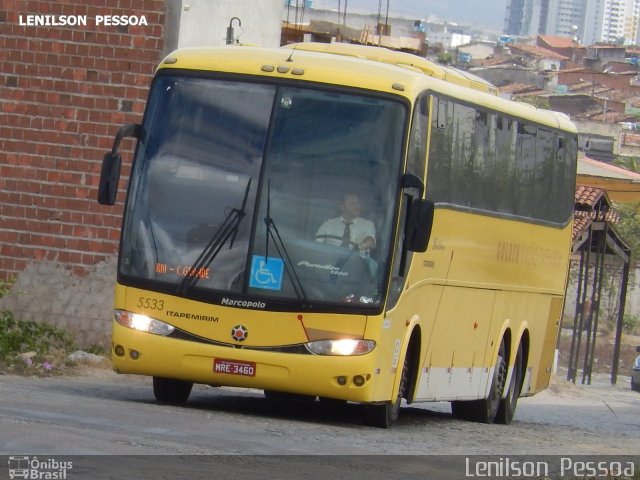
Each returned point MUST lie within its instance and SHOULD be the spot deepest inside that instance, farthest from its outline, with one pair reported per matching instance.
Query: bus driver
(349, 230)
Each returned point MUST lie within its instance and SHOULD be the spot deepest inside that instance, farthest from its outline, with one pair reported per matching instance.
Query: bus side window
(418, 141)
(441, 118)
(415, 165)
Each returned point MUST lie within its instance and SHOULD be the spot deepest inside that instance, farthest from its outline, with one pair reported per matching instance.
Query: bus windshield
(244, 190)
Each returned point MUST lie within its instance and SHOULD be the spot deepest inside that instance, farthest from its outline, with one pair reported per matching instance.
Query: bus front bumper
(340, 377)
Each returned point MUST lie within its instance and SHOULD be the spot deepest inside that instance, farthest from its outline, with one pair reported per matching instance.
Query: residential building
(588, 21)
(566, 18)
(538, 58)
(526, 17)
(604, 21)
(477, 51)
(447, 37)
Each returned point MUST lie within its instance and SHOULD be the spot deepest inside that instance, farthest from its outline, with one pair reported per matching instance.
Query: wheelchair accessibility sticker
(266, 273)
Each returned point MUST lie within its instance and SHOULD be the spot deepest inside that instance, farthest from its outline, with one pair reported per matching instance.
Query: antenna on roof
(290, 59)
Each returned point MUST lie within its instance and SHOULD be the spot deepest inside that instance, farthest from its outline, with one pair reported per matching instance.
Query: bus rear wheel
(507, 407)
(485, 409)
(171, 391)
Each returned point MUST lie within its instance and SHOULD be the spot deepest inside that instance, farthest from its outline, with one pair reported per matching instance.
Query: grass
(32, 348)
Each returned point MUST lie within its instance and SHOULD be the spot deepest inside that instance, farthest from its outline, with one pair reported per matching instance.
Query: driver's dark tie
(346, 236)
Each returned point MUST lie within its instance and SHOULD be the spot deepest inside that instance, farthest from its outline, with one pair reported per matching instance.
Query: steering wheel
(339, 239)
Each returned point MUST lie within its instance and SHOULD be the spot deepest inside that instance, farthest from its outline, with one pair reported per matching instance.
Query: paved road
(103, 413)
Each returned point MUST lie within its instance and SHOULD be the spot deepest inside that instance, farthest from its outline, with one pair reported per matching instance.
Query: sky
(481, 13)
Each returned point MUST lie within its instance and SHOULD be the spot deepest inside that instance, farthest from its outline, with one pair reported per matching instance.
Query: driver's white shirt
(360, 229)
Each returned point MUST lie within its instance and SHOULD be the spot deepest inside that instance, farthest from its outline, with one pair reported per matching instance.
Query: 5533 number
(150, 303)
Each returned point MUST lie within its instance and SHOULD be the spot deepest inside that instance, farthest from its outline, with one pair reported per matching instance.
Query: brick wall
(618, 82)
(64, 92)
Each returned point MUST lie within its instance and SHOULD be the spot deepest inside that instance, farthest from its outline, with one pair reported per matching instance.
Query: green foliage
(629, 226)
(5, 286)
(629, 163)
(19, 336)
(445, 58)
(630, 323)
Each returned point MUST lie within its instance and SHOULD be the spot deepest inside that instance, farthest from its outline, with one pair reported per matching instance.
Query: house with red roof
(565, 46)
(539, 58)
(620, 184)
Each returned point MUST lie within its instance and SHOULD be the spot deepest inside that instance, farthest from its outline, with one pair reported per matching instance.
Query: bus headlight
(142, 323)
(344, 346)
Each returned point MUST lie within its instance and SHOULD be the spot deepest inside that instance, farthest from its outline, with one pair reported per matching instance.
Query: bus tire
(485, 409)
(171, 391)
(508, 404)
(383, 415)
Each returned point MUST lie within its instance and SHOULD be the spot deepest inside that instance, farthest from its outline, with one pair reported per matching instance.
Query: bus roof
(402, 59)
(294, 64)
(359, 66)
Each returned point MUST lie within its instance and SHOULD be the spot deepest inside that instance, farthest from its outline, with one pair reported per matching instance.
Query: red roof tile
(518, 88)
(593, 202)
(558, 42)
(537, 51)
(586, 195)
(580, 225)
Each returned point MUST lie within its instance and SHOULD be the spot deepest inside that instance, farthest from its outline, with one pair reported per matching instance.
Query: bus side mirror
(109, 179)
(418, 226)
(111, 163)
(409, 180)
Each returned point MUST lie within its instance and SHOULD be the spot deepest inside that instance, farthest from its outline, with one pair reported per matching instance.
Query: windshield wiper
(228, 229)
(274, 234)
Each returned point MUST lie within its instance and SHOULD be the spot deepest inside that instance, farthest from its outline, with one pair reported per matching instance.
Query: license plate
(234, 367)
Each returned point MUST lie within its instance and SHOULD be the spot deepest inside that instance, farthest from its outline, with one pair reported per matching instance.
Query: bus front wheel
(383, 415)
(171, 391)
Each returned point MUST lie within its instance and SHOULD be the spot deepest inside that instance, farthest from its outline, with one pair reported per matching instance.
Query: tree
(444, 58)
(629, 227)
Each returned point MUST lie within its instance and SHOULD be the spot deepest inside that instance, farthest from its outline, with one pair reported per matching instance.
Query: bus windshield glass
(260, 191)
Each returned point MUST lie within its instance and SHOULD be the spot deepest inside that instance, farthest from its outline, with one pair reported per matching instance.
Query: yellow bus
(233, 270)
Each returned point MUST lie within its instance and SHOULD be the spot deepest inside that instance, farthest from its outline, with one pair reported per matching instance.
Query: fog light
(119, 350)
(342, 380)
(358, 380)
(134, 354)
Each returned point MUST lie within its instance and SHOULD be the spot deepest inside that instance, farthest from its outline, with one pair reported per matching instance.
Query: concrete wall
(205, 22)
(48, 292)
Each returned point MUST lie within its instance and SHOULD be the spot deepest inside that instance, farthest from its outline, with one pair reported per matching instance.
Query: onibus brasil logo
(33, 468)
